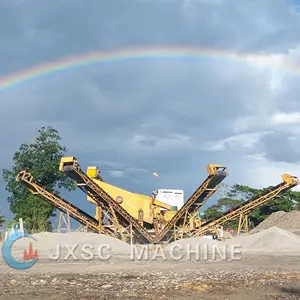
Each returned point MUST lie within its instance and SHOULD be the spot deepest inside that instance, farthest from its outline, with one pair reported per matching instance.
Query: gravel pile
(84, 244)
(272, 220)
(78, 246)
(198, 248)
(194, 241)
(289, 221)
(274, 240)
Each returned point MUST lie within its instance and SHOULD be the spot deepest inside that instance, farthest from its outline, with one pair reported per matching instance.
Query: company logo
(30, 256)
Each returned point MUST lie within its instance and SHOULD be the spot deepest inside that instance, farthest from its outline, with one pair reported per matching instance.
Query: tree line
(42, 156)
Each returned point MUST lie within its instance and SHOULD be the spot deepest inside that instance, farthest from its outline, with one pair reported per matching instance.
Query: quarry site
(266, 267)
(153, 247)
(150, 150)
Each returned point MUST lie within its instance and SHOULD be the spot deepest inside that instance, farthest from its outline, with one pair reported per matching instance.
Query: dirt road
(248, 279)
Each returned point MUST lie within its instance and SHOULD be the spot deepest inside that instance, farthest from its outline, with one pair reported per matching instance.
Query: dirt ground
(248, 279)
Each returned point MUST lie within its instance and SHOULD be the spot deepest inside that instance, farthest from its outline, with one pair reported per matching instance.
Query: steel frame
(244, 210)
(128, 229)
(122, 219)
(187, 212)
(63, 205)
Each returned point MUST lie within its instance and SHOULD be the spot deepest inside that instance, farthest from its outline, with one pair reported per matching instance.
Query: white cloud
(271, 61)
(249, 123)
(239, 141)
(169, 115)
(135, 170)
(116, 173)
(264, 173)
(256, 157)
(282, 118)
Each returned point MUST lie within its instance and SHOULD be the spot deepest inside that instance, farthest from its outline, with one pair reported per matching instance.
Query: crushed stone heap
(273, 240)
(270, 221)
(289, 221)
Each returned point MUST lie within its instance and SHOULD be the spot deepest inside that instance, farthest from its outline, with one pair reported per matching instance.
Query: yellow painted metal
(63, 160)
(63, 205)
(289, 179)
(181, 220)
(288, 183)
(131, 202)
(92, 172)
(169, 215)
(99, 214)
(243, 225)
(213, 168)
(64, 219)
(106, 202)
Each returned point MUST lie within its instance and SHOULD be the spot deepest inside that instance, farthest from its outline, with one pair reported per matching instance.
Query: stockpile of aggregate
(270, 221)
(274, 240)
(289, 221)
(47, 244)
(271, 241)
(198, 248)
(194, 241)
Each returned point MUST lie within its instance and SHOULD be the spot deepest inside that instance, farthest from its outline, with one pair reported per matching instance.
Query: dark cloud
(39, 30)
(170, 116)
(281, 146)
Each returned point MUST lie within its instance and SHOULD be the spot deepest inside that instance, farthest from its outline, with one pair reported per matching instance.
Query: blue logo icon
(29, 258)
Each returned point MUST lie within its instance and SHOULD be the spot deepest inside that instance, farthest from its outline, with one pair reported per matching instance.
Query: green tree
(286, 202)
(41, 158)
(223, 205)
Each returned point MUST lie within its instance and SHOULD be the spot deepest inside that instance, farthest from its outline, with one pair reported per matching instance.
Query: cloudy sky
(169, 116)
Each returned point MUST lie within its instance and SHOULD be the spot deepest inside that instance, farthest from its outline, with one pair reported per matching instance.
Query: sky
(170, 116)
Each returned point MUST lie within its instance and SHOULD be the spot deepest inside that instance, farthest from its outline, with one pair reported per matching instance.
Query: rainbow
(59, 66)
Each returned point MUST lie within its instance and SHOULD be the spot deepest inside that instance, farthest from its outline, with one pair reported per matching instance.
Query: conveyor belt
(70, 166)
(216, 175)
(288, 183)
(63, 205)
